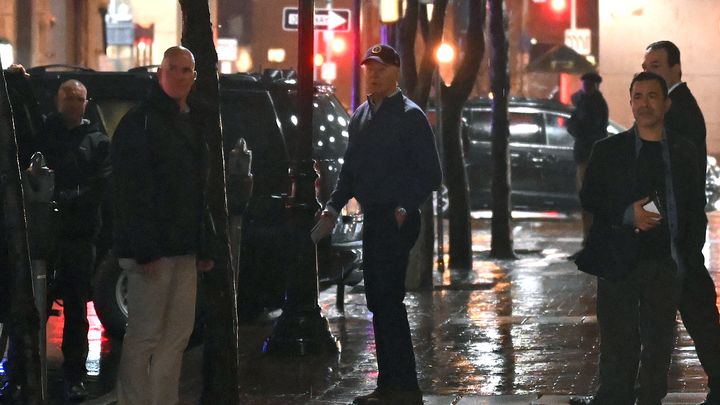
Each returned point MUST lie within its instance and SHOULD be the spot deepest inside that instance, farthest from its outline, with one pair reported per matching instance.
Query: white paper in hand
(651, 207)
(322, 228)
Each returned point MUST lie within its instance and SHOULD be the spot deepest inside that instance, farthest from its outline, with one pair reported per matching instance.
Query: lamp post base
(301, 333)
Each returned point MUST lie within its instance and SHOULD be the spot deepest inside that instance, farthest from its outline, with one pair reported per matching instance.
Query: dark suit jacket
(609, 188)
(685, 119)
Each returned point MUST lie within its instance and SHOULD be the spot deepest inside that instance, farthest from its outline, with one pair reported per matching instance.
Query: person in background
(79, 154)
(587, 124)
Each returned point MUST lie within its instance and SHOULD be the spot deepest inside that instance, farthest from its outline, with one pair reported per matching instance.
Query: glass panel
(556, 131)
(526, 128)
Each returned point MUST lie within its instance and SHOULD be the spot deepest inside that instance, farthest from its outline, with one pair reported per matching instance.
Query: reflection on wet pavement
(504, 327)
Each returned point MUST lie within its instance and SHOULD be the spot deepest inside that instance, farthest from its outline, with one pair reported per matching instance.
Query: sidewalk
(507, 332)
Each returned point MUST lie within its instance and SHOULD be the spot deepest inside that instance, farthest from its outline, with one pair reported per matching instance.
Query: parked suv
(541, 156)
(258, 108)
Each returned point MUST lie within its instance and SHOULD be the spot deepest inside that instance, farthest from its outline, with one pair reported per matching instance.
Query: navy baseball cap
(382, 53)
(591, 77)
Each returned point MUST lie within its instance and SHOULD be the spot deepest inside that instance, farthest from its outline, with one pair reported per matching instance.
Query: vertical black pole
(24, 317)
(439, 136)
(301, 329)
(355, 28)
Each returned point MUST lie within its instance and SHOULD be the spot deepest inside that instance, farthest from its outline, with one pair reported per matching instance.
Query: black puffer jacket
(80, 158)
(159, 161)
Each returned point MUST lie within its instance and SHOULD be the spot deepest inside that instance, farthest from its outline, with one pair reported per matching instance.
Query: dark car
(259, 109)
(541, 156)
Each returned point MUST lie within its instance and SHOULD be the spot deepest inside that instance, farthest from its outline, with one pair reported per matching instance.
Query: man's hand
(18, 68)
(205, 265)
(644, 220)
(323, 227)
(400, 216)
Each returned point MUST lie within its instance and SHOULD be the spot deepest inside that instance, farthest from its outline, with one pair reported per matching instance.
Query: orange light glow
(558, 5)
(319, 60)
(338, 45)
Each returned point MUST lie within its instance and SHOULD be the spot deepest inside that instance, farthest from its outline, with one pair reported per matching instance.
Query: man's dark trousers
(74, 267)
(636, 316)
(385, 257)
(700, 316)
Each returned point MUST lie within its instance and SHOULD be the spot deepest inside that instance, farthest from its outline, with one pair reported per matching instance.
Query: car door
(557, 181)
(527, 143)
(479, 156)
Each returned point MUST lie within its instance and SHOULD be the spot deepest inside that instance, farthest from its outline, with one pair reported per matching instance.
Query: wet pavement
(505, 332)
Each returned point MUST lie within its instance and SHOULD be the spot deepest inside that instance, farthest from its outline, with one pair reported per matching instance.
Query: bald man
(159, 174)
(79, 154)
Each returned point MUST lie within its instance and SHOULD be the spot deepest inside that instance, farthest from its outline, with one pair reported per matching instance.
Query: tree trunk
(501, 244)
(24, 318)
(456, 181)
(221, 360)
(455, 175)
(416, 83)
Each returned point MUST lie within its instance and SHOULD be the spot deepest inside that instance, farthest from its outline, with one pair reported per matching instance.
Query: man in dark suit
(697, 302)
(647, 231)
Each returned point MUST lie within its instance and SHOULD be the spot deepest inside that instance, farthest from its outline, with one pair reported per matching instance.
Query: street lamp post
(302, 329)
(444, 54)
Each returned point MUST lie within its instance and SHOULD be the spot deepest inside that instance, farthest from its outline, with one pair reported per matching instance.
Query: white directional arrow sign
(336, 19)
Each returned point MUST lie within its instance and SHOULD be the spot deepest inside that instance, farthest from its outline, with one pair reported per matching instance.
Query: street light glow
(389, 11)
(338, 45)
(445, 53)
(558, 5)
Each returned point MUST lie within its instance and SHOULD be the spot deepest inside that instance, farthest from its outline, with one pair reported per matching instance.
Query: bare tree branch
(428, 62)
(467, 71)
(408, 30)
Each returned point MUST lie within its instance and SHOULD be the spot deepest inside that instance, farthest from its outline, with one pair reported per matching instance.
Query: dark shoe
(75, 391)
(582, 400)
(394, 397)
(574, 256)
(11, 393)
(367, 398)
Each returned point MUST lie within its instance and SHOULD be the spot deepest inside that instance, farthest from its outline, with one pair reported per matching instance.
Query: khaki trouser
(161, 315)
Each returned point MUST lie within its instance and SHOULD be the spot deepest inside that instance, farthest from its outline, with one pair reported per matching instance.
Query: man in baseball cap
(382, 53)
(391, 167)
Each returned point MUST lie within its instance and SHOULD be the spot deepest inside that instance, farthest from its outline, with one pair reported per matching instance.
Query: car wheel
(110, 296)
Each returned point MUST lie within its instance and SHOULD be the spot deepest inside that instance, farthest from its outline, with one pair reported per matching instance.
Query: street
(520, 331)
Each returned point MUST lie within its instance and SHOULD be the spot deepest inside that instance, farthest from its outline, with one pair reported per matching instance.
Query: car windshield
(330, 124)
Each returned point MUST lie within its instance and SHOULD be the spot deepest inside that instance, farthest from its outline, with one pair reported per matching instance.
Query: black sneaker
(574, 256)
(75, 391)
(368, 398)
